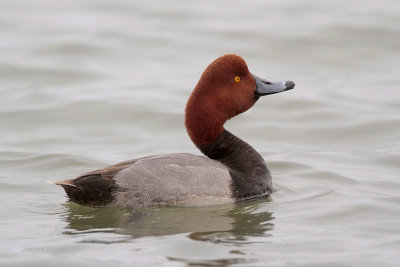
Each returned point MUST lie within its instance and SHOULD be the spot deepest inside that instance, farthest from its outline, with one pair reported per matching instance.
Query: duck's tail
(64, 183)
(91, 190)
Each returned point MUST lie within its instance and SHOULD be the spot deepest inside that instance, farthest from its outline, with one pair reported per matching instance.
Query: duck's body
(231, 169)
(181, 179)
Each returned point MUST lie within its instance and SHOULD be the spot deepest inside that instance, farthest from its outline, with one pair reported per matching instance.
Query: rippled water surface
(85, 84)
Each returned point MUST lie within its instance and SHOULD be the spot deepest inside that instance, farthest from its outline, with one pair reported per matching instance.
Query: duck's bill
(264, 87)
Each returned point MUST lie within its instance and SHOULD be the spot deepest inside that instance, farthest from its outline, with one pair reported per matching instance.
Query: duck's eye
(237, 79)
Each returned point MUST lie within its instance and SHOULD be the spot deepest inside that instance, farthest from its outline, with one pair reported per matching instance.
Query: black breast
(250, 174)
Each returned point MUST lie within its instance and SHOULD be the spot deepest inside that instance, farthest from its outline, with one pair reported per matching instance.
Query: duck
(229, 171)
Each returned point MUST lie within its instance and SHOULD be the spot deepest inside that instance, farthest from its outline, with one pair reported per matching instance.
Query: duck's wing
(184, 179)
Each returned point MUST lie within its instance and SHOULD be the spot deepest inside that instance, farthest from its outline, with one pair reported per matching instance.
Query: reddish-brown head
(225, 89)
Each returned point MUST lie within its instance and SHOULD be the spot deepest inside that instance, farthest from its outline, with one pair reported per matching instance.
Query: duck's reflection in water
(220, 223)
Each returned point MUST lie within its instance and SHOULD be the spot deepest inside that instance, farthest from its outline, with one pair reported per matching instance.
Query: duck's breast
(184, 179)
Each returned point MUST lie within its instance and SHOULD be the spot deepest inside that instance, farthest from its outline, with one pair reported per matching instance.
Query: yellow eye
(237, 79)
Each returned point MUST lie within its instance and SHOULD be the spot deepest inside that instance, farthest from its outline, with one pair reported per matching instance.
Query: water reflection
(246, 222)
(221, 223)
(218, 262)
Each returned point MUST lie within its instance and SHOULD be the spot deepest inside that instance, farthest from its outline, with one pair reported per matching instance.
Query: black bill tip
(290, 85)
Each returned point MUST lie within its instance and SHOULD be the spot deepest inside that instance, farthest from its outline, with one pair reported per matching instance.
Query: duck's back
(180, 178)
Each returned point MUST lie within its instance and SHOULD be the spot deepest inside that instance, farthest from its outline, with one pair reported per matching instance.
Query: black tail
(91, 190)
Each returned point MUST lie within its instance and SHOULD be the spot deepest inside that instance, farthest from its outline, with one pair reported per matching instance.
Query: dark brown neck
(249, 172)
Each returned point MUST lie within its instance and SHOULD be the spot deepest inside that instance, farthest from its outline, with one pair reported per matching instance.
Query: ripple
(28, 161)
(35, 74)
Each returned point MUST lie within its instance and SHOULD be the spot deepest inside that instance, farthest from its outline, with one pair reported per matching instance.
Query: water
(85, 84)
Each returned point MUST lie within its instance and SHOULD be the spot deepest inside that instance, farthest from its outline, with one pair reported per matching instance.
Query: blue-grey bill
(264, 87)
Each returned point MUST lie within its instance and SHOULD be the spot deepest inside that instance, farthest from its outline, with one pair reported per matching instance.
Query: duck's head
(225, 89)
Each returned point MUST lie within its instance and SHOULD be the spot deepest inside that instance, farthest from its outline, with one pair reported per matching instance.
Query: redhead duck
(230, 171)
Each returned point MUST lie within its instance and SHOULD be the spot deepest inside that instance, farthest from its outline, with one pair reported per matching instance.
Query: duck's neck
(249, 172)
(204, 122)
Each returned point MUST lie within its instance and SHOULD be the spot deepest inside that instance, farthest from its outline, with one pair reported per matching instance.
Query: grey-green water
(85, 84)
